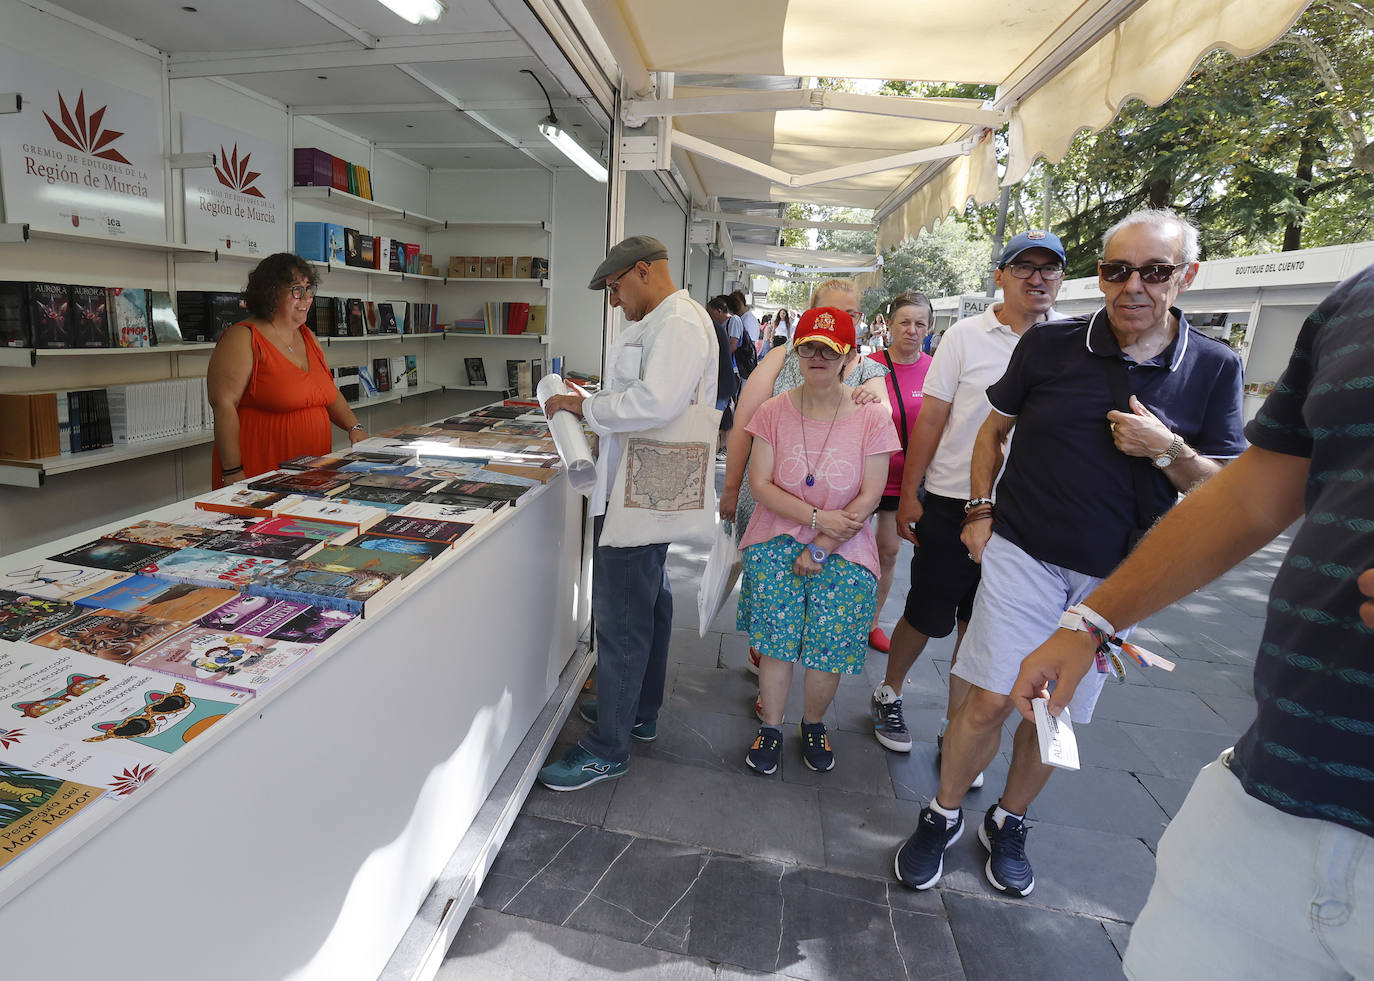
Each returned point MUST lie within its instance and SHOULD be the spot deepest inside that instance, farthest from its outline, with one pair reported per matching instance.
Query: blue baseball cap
(1033, 239)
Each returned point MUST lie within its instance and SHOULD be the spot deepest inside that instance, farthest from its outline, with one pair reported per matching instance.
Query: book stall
(297, 689)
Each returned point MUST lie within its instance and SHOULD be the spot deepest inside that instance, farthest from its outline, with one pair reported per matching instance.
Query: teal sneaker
(579, 768)
(645, 732)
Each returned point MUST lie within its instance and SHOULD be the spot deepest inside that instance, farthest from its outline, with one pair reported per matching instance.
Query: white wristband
(1075, 616)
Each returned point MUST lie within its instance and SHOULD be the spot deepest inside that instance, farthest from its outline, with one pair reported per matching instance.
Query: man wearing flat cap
(653, 370)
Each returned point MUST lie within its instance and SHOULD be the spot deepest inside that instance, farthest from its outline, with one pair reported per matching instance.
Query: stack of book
(58, 315)
(315, 168)
(514, 318)
(497, 267)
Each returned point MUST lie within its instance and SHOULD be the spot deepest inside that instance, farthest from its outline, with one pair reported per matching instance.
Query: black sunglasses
(1153, 272)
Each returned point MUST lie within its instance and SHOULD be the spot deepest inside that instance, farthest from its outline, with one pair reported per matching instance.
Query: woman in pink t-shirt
(817, 469)
(910, 315)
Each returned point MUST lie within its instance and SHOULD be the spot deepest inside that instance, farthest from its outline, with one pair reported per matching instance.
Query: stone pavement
(692, 866)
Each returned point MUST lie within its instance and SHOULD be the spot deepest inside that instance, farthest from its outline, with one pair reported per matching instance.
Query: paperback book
(213, 521)
(357, 516)
(238, 661)
(398, 526)
(262, 616)
(381, 495)
(455, 513)
(23, 616)
(417, 485)
(112, 554)
(401, 546)
(130, 317)
(161, 534)
(58, 580)
(466, 502)
(111, 635)
(307, 581)
(50, 315)
(204, 567)
(166, 330)
(159, 598)
(262, 545)
(34, 805)
(321, 531)
(14, 315)
(321, 483)
(238, 499)
(348, 557)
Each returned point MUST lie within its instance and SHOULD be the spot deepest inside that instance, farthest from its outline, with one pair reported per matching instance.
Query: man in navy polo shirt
(1067, 512)
(1268, 868)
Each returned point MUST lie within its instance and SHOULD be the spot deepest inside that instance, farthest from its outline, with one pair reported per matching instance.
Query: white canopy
(804, 261)
(1060, 66)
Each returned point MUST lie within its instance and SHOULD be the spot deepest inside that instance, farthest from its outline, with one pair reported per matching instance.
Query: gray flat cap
(636, 248)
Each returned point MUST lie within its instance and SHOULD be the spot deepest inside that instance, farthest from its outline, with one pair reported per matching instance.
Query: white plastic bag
(719, 577)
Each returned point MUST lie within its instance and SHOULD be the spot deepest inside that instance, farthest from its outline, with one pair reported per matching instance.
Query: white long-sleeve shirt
(656, 365)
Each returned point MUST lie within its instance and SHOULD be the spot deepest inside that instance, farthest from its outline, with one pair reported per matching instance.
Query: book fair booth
(312, 703)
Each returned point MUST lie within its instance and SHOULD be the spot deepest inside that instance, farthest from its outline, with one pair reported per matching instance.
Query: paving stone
(862, 833)
(694, 736)
(1060, 945)
(723, 811)
(916, 776)
(1087, 871)
(1237, 710)
(1103, 742)
(1103, 799)
(737, 912)
(927, 948)
(533, 842)
(1120, 934)
(729, 691)
(860, 764)
(1160, 707)
(639, 890)
(577, 806)
(561, 885)
(1178, 753)
(687, 647)
(1168, 792)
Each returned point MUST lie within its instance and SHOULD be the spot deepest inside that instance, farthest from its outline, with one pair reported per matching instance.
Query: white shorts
(1019, 603)
(1244, 890)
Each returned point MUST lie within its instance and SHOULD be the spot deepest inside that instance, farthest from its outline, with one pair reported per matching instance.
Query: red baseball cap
(825, 325)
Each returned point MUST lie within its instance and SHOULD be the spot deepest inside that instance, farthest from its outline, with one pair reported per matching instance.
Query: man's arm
(925, 437)
(987, 464)
(1141, 433)
(1227, 518)
(668, 379)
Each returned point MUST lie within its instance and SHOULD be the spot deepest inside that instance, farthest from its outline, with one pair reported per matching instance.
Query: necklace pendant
(810, 480)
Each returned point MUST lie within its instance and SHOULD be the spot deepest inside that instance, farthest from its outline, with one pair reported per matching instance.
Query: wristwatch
(1171, 454)
(818, 554)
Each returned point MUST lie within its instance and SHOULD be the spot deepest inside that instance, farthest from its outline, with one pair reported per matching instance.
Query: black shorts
(888, 502)
(944, 579)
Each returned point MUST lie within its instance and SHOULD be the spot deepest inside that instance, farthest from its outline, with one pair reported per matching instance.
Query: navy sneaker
(1007, 868)
(889, 727)
(645, 732)
(940, 752)
(816, 746)
(921, 861)
(766, 752)
(579, 768)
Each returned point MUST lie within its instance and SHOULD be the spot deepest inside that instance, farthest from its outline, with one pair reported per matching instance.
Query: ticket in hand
(1058, 747)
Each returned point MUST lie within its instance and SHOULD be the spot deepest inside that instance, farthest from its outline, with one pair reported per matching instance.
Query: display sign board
(81, 154)
(239, 205)
(1325, 265)
(970, 305)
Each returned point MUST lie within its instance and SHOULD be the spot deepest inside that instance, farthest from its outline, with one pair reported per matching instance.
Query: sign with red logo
(81, 154)
(239, 205)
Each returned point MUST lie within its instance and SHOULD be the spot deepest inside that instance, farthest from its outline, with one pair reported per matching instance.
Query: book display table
(298, 836)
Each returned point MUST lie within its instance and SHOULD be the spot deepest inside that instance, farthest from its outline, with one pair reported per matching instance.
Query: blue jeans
(632, 604)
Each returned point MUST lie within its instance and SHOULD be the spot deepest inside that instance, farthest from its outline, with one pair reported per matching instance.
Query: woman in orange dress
(273, 395)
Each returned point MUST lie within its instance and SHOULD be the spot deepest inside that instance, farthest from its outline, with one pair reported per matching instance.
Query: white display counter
(299, 836)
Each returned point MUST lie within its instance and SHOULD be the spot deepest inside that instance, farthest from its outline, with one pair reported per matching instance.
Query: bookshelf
(399, 395)
(28, 357)
(19, 233)
(336, 200)
(32, 473)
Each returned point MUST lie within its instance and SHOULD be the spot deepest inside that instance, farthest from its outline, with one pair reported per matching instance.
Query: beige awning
(1059, 65)
(804, 261)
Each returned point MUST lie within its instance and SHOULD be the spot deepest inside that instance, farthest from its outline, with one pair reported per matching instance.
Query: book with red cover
(519, 317)
(340, 174)
(321, 483)
(422, 529)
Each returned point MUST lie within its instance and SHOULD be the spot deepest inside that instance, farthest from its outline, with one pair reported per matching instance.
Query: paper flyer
(566, 430)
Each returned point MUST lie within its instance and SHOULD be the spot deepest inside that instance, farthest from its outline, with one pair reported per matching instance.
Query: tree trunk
(1292, 234)
(1160, 191)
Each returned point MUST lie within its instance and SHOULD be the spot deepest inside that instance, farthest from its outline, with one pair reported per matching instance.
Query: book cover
(353, 247)
(238, 499)
(204, 567)
(166, 330)
(306, 581)
(159, 598)
(406, 526)
(400, 546)
(111, 635)
(162, 534)
(226, 310)
(320, 531)
(33, 805)
(402, 469)
(58, 580)
(90, 321)
(23, 616)
(379, 496)
(112, 554)
(14, 315)
(50, 315)
(465, 501)
(313, 625)
(355, 315)
(412, 371)
(264, 546)
(339, 177)
(477, 372)
(455, 513)
(238, 661)
(418, 485)
(370, 324)
(491, 490)
(381, 374)
(214, 521)
(538, 322)
(398, 371)
(386, 318)
(348, 557)
(308, 462)
(322, 483)
(355, 516)
(130, 321)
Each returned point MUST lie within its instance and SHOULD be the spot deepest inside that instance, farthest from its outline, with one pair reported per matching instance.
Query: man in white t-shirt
(972, 355)
(654, 368)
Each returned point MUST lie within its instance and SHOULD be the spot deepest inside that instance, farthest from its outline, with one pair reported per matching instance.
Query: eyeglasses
(1153, 272)
(299, 291)
(810, 350)
(613, 285)
(1024, 270)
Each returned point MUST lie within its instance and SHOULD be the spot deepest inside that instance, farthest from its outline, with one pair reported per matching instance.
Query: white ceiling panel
(244, 25)
(470, 159)
(461, 17)
(493, 80)
(374, 85)
(399, 127)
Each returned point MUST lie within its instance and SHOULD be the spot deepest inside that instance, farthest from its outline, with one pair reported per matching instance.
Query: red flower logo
(10, 737)
(131, 779)
(84, 134)
(234, 174)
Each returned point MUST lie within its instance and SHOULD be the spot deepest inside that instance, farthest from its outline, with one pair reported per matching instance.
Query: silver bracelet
(358, 426)
(813, 519)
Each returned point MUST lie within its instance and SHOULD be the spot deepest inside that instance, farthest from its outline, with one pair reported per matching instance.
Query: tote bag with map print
(665, 482)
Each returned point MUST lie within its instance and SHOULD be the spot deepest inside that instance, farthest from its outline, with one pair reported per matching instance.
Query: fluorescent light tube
(573, 150)
(416, 11)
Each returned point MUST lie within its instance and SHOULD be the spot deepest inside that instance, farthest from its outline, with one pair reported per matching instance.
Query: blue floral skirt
(821, 620)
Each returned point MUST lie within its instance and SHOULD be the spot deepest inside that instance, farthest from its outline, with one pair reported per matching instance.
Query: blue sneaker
(1007, 868)
(645, 732)
(921, 861)
(816, 752)
(579, 768)
(766, 751)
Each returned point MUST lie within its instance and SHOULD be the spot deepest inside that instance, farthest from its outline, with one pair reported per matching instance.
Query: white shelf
(327, 269)
(31, 473)
(455, 223)
(478, 388)
(25, 357)
(17, 233)
(396, 395)
(509, 281)
(543, 338)
(351, 203)
(328, 341)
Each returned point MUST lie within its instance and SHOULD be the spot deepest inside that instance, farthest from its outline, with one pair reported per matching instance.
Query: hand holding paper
(568, 437)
